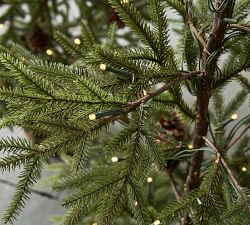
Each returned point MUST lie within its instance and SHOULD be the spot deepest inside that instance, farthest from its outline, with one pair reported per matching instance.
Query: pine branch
(15, 145)
(30, 174)
(165, 87)
(68, 45)
(132, 17)
(139, 203)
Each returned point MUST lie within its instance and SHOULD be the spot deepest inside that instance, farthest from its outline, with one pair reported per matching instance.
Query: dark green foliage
(130, 90)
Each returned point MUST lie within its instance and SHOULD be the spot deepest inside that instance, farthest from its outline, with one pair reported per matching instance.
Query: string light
(114, 112)
(77, 41)
(114, 159)
(121, 73)
(145, 93)
(49, 52)
(234, 116)
(92, 116)
(1, 26)
(226, 122)
(136, 203)
(190, 146)
(157, 222)
(149, 179)
(244, 169)
(94, 223)
(124, 1)
(103, 67)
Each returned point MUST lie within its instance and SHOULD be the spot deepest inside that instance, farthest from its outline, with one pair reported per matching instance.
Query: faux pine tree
(127, 178)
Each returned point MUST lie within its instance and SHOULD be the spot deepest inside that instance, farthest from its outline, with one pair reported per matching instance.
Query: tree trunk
(214, 42)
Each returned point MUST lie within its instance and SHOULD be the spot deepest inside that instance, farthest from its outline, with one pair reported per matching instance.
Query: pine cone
(113, 17)
(38, 39)
(174, 127)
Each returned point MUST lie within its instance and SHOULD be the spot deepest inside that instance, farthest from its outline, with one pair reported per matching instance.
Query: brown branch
(227, 168)
(240, 27)
(197, 35)
(175, 191)
(238, 138)
(224, 163)
(189, 20)
(221, 159)
(173, 186)
(214, 43)
(150, 95)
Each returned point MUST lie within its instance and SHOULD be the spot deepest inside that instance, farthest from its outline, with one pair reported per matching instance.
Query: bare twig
(149, 95)
(175, 191)
(193, 28)
(224, 163)
(198, 35)
(173, 186)
(227, 168)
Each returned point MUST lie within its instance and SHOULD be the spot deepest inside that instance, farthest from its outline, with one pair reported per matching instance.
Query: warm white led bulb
(157, 222)
(199, 201)
(92, 116)
(1, 25)
(77, 41)
(149, 179)
(49, 52)
(145, 93)
(103, 67)
(114, 159)
(234, 116)
(94, 224)
(190, 146)
(124, 1)
(136, 203)
(243, 169)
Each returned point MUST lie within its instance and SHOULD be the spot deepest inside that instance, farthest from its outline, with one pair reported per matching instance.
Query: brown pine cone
(113, 17)
(174, 127)
(38, 38)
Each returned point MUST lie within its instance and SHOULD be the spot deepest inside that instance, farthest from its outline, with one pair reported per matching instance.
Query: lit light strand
(120, 73)
(224, 123)
(77, 41)
(49, 52)
(95, 116)
(114, 159)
